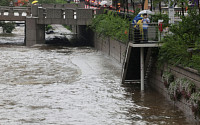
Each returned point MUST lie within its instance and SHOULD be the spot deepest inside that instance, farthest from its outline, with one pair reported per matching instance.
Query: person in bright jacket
(137, 25)
(136, 19)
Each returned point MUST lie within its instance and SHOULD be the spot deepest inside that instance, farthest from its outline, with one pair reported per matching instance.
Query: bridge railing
(64, 15)
(53, 13)
(14, 11)
(63, 6)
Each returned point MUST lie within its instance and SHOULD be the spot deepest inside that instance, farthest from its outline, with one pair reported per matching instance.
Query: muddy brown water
(72, 86)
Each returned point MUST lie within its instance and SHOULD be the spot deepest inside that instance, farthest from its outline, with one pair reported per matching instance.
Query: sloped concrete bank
(116, 50)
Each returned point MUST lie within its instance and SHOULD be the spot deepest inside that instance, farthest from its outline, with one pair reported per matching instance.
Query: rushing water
(72, 86)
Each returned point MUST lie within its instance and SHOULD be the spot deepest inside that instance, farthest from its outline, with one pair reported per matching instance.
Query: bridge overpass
(37, 16)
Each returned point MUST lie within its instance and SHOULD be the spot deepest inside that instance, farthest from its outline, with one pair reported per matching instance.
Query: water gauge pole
(142, 67)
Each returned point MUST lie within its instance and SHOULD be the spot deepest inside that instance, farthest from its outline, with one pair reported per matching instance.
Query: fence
(153, 33)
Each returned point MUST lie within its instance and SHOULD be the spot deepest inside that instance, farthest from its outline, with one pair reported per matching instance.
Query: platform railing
(153, 33)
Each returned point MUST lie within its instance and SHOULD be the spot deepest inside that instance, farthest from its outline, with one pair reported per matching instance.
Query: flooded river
(72, 86)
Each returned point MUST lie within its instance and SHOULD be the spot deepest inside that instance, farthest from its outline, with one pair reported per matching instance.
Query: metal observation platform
(138, 57)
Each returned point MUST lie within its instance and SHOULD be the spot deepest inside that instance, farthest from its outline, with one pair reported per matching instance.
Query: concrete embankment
(111, 47)
(156, 81)
(116, 50)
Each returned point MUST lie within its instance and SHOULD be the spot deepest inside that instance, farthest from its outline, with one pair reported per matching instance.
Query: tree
(182, 3)
(184, 35)
(52, 1)
(133, 4)
(4, 2)
(7, 27)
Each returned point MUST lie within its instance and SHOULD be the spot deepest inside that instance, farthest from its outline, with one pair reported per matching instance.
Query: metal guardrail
(152, 34)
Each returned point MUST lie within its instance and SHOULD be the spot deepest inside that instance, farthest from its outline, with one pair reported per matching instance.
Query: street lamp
(171, 12)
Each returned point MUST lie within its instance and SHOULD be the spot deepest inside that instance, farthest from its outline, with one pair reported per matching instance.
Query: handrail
(152, 33)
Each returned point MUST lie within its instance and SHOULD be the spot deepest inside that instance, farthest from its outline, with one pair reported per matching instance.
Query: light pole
(171, 12)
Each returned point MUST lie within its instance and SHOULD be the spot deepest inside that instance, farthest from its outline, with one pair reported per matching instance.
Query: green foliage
(167, 78)
(61, 1)
(52, 1)
(174, 92)
(8, 27)
(174, 51)
(179, 2)
(137, 10)
(48, 27)
(195, 102)
(184, 35)
(4, 2)
(181, 87)
(188, 29)
(164, 17)
(186, 87)
(111, 25)
(195, 62)
(67, 27)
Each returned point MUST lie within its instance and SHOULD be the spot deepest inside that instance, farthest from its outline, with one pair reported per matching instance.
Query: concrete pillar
(28, 12)
(34, 10)
(40, 34)
(74, 29)
(34, 33)
(30, 35)
(142, 67)
(20, 13)
(11, 12)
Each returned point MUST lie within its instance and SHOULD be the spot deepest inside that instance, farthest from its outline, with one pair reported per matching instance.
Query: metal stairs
(131, 65)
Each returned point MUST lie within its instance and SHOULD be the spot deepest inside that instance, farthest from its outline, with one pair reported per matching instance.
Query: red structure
(20, 2)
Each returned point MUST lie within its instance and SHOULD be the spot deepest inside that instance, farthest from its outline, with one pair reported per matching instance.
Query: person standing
(11, 3)
(145, 22)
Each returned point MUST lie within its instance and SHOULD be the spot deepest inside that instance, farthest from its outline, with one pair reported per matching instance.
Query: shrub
(195, 62)
(174, 51)
(48, 27)
(186, 87)
(8, 27)
(111, 25)
(164, 17)
(167, 78)
(52, 1)
(181, 87)
(195, 103)
(184, 35)
(4, 3)
(174, 91)
(67, 27)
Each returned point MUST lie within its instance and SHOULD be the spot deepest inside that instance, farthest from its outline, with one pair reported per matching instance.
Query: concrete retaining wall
(110, 47)
(155, 80)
